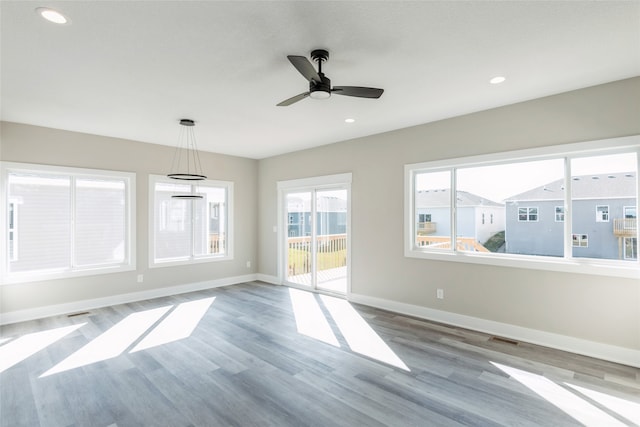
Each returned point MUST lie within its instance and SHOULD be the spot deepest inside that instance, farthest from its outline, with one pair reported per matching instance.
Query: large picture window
(536, 199)
(61, 222)
(190, 230)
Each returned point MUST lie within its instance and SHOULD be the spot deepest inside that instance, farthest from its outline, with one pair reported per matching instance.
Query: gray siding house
(331, 219)
(604, 220)
(477, 217)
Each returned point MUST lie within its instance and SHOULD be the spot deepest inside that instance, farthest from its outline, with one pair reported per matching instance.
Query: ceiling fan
(320, 85)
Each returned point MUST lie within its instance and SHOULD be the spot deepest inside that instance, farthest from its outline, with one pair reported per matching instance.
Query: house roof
(133, 69)
(442, 197)
(597, 186)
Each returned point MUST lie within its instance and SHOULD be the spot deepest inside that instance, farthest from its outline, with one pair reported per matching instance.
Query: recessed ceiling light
(349, 120)
(52, 15)
(497, 80)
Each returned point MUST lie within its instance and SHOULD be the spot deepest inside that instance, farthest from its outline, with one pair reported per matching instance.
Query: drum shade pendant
(186, 164)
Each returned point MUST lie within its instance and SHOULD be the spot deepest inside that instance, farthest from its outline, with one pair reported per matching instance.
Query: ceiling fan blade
(293, 99)
(305, 68)
(360, 92)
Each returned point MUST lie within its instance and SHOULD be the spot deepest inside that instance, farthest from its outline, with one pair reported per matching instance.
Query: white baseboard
(598, 350)
(268, 279)
(90, 304)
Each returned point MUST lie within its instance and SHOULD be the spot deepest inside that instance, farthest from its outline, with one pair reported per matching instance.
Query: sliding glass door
(316, 238)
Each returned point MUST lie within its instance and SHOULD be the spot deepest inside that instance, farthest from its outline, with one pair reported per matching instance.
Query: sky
(499, 182)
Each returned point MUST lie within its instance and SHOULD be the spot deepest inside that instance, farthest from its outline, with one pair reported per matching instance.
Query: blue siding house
(604, 218)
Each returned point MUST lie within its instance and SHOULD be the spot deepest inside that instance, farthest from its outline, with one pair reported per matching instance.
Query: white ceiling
(132, 69)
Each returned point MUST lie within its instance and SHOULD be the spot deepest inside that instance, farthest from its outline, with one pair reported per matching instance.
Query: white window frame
(192, 259)
(529, 213)
(602, 215)
(568, 263)
(558, 212)
(579, 240)
(129, 262)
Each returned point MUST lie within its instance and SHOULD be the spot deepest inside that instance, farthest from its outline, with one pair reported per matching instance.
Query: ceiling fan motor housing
(320, 90)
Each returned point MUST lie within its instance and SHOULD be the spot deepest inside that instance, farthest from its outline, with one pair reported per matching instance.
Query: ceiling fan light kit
(319, 84)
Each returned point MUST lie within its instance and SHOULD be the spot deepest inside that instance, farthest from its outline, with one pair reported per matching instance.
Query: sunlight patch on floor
(625, 408)
(310, 320)
(359, 335)
(112, 342)
(178, 324)
(564, 399)
(20, 348)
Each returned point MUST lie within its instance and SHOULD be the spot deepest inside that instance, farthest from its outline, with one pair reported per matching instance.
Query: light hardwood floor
(254, 360)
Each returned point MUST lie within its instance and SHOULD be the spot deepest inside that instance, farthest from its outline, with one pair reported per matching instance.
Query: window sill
(611, 268)
(188, 261)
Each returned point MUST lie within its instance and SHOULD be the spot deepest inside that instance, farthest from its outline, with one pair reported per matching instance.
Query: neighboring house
(331, 216)
(604, 218)
(477, 217)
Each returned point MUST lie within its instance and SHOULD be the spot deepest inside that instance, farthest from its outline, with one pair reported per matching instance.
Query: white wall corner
(612, 353)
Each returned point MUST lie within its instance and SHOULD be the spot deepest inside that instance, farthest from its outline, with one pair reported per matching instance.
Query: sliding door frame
(312, 184)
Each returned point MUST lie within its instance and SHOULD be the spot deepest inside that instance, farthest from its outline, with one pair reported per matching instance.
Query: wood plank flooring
(247, 364)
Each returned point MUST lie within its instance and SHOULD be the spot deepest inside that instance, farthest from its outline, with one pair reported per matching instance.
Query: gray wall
(31, 144)
(601, 309)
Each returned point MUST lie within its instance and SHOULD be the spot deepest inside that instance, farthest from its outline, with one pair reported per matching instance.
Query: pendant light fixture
(186, 164)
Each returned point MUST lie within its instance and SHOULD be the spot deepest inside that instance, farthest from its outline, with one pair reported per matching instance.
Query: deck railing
(331, 252)
(625, 227)
(216, 243)
(468, 244)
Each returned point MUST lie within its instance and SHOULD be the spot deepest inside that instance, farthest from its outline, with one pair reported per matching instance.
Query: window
(631, 248)
(483, 219)
(602, 213)
(194, 230)
(433, 195)
(580, 240)
(529, 193)
(71, 221)
(630, 212)
(527, 214)
(424, 217)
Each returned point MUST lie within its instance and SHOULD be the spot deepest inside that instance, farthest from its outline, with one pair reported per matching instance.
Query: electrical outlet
(440, 293)
(140, 278)
(248, 264)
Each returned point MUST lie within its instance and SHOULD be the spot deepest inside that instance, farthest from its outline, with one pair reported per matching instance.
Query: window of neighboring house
(72, 221)
(602, 213)
(580, 240)
(527, 184)
(491, 217)
(631, 248)
(630, 212)
(528, 214)
(190, 230)
(483, 219)
(424, 217)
